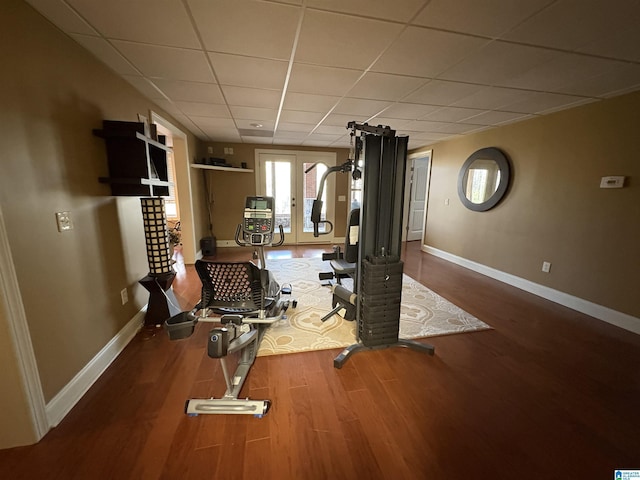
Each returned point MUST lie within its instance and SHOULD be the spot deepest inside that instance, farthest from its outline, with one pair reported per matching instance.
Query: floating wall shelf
(222, 169)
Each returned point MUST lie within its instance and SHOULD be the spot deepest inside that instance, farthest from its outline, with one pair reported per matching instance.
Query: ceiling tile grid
(302, 69)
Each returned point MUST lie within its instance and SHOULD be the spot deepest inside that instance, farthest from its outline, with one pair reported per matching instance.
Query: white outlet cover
(63, 219)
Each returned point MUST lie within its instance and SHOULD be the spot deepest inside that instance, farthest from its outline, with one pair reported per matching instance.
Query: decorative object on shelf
(175, 234)
(162, 302)
(483, 179)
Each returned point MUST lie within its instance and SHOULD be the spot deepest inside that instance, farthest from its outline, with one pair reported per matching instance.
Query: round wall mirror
(483, 179)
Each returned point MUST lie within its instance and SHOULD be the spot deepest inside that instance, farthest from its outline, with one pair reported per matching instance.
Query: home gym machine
(248, 299)
(380, 157)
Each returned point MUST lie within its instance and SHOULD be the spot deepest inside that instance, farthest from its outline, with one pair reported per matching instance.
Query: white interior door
(419, 196)
(281, 174)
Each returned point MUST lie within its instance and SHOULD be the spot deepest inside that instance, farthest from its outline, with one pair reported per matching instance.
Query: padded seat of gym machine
(341, 267)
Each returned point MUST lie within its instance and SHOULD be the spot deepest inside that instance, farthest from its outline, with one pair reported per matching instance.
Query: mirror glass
(483, 179)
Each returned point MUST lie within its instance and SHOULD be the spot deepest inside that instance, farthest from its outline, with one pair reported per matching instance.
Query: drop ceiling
(295, 72)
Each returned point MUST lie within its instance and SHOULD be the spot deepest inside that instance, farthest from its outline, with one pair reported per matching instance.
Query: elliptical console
(259, 219)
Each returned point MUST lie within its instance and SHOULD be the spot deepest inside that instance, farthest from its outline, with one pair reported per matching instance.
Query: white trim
(183, 171)
(67, 398)
(619, 319)
(19, 331)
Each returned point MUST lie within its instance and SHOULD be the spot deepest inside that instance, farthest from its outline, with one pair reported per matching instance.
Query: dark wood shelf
(137, 163)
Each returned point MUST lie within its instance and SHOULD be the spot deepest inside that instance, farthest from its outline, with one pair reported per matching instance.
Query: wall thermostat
(612, 182)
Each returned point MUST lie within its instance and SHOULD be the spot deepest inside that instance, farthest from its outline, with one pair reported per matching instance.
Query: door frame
(182, 173)
(302, 156)
(407, 191)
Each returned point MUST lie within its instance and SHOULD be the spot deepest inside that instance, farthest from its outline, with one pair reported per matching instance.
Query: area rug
(423, 312)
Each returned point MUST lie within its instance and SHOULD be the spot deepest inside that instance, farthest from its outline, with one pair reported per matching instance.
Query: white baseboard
(66, 399)
(226, 243)
(619, 319)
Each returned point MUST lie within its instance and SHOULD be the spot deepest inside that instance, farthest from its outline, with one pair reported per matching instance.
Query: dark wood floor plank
(547, 393)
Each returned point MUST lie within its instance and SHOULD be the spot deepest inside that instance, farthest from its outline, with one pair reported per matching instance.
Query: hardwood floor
(548, 393)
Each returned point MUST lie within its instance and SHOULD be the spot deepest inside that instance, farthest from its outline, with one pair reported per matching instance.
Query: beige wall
(229, 189)
(53, 93)
(15, 417)
(554, 210)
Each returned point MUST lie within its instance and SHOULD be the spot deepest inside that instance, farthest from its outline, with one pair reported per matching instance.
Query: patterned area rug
(423, 313)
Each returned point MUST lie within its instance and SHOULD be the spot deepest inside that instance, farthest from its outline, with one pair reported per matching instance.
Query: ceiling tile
(309, 102)
(289, 134)
(610, 83)
(398, 10)
(254, 114)
(489, 18)
(254, 28)
(497, 63)
(296, 127)
(249, 72)
(408, 111)
(251, 97)
(394, 123)
(538, 102)
(145, 87)
(322, 80)
(360, 107)
(488, 98)
(204, 109)
(452, 114)
(64, 17)
(426, 53)
(325, 35)
(563, 72)
(160, 23)
(384, 86)
(331, 130)
(572, 24)
(167, 62)
(106, 53)
(341, 120)
(223, 135)
(209, 122)
(296, 116)
(190, 91)
(621, 43)
(439, 92)
(496, 117)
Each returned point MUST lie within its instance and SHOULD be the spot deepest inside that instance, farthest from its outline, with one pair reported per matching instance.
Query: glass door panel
(278, 186)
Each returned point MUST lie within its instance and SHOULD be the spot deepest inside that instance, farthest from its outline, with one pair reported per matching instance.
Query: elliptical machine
(248, 298)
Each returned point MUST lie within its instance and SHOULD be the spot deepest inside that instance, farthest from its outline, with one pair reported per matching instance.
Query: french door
(281, 174)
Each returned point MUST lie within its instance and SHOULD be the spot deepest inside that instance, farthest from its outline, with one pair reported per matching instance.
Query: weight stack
(380, 295)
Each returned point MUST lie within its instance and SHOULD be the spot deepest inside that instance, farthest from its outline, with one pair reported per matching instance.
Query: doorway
(180, 202)
(288, 176)
(418, 173)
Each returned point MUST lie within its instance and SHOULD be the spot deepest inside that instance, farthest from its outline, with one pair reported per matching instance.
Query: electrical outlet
(546, 267)
(63, 219)
(124, 296)
(210, 150)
